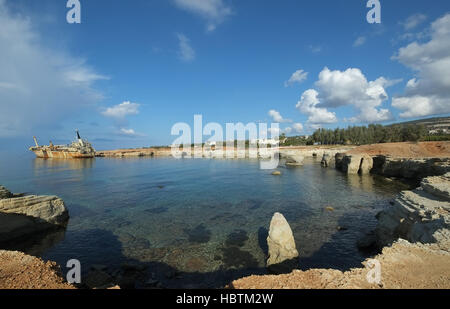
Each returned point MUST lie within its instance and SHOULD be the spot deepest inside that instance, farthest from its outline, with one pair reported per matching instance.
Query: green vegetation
(372, 134)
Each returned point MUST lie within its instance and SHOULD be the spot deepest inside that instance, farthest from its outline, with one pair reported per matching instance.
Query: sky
(132, 69)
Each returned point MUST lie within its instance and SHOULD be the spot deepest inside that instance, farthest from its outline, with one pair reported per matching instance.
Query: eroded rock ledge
(421, 215)
(26, 215)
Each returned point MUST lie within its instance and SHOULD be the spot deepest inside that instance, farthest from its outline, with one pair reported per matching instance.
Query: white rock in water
(282, 250)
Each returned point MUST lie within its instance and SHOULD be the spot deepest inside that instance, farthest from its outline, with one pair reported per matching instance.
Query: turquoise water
(197, 223)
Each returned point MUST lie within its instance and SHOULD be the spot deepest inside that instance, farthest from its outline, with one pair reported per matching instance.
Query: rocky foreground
(415, 236)
(421, 215)
(21, 271)
(403, 266)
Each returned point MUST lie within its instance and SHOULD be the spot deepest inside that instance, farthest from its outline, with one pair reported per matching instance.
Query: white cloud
(119, 114)
(81, 75)
(350, 87)
(297, 77)
(40, 86)
(129, 133)
(213, 11)
(359, 41)
(287, 130)
(315, 49)
(413, 21)
(122, 110)
(308, 106)
(186, 52)
(429, 92)
(298, 127)
(276, 116)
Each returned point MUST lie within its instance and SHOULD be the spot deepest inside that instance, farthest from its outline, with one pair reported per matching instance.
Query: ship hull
(47, 153)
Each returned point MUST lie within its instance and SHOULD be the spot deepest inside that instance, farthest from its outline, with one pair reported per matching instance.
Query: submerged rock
(98, 279)
(283, 255)
(276, 173)
(294, 160)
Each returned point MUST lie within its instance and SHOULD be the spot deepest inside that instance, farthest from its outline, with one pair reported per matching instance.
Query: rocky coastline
(413, 237)
(412, 234)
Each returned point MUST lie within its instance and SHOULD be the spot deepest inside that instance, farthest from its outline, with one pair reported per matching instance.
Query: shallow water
(197, 223)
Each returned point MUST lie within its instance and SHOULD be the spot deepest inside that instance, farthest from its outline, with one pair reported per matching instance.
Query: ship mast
(35, 141)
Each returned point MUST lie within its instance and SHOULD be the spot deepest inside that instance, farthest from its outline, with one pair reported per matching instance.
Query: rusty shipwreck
(76, 150)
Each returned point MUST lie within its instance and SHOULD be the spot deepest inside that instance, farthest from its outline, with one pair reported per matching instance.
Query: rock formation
(421, 215)
(283, 254)
(4, 193)
(326, 160)
(338, 160)
(354, 164)
(410, 168)
(366, 165)
(351, 164)
(293, 159)
(403, 266)
(27, 215)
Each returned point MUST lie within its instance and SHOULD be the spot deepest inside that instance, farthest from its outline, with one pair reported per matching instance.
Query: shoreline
(392, 249)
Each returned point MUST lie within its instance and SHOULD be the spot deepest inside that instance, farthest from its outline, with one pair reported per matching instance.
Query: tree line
(361, 135)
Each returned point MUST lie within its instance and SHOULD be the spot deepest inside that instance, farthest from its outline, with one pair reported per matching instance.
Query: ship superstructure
(77, 149)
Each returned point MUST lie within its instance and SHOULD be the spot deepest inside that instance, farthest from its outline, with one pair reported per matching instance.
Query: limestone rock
(366, 165)
(50, 209)
(28, 215)
(437, 186)
(354, 164)
(282, 251)
(326, 160)
(276, 173)
(351, 164)
(338, 160)
(421, 215)
(294, 160)
(410, 168)
(4, 193)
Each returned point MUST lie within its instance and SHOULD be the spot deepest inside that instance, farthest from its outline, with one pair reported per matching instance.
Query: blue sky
(132, 69)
